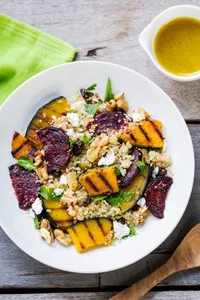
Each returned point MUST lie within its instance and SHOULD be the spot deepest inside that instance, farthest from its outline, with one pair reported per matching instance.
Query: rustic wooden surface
(106, 30)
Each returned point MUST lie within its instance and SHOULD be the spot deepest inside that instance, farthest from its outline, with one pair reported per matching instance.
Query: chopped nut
(97, 148)
(118, 96)
(147, 115)
(68, 198)
(122, 103)
(38, 160)
(46, 231)
(111, 105)
(62, 238)
(72, 181)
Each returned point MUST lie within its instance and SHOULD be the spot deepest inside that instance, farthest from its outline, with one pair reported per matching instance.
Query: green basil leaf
(127, 195)
(117, 171)
(109, 94)
(142, 166)
(92, 139)
(48, 194)
(132, 230)
(85, 139)
(26, 163)
(92, 87)
(92, 108)
(98, 198)
(37, 222)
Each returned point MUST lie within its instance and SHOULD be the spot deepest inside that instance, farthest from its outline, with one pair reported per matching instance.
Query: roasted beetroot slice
(109, 120)
(56, 147)
(26, 185)
(156, 194)
(133, 170)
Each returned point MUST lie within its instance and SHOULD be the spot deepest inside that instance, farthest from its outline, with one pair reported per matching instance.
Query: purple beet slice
(133, 170)
(26, 185)
(156, 194)
(56, 147)
(109, 120)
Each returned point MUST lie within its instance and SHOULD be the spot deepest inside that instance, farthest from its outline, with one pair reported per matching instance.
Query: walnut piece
(46, 231)
(62, 238)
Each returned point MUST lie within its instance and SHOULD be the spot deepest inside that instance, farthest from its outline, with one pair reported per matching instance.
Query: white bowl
(147, 36)
(16, 113)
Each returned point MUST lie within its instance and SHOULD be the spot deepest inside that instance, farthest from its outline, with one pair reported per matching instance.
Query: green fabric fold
(25, 51)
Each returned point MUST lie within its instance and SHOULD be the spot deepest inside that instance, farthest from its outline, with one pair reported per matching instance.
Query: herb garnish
(108, 94)
(26, 163)
(132, 230)
(72, 111)
(116, 200)
(49, 194)
(117, 171)
(92, 87)
(92, 108)
(92, 139)
(85, 139)
(99, 198)
(141, 165)
(37, 222)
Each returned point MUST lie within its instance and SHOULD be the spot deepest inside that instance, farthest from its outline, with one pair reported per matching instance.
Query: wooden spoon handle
(139, 289)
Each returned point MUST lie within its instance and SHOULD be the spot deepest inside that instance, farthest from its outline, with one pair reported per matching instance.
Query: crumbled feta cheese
(63, 179)
(141, 202)
(79, 105)
(120, 230)
(31, 213)
(137, 116)
(73, 118)
(37, 206)
(70, 132)
(155, 172)
(107, 160)
(58, 191)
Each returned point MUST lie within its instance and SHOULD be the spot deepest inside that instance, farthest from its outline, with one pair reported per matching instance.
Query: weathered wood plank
(107, 30)
(172, 295)
(19, 270)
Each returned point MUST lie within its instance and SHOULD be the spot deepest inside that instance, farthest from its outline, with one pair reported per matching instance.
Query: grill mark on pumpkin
(16, 134)
(74, 230)
(144, 133)
(101, 227)
(19, 148)
(133, 137)
(105, 181)
(91, 184)
(156, 129)
(90, 233)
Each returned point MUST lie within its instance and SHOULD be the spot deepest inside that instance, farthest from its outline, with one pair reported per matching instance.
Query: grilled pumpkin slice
(100, 181)
(90, 234)
(21, 146)
(44, 117)
(57, 214)
(147, 134)
(138, 184)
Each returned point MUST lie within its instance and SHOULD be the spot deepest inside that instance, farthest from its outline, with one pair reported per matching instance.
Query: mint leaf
(127, 195)
(117, 171)
(48, 194)
(25, 163)
(98, 198)
(108, 95)
(92, 108)
(115, 200)
(92, 87)
(92, 139)
(132, 230)
(142, 166)
(85, 139)
(71, 142)
(36, 222)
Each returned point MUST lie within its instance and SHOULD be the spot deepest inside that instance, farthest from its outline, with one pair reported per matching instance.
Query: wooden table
(105, 30)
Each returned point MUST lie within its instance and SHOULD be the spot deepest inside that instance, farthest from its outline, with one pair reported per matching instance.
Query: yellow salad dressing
(177, 46)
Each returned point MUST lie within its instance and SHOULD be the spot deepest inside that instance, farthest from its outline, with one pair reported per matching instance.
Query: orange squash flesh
(100, 181)
(21, 146)
(147, 134)
(90, 234)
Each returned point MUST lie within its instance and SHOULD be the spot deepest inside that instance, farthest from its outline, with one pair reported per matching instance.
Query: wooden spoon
(186, 256)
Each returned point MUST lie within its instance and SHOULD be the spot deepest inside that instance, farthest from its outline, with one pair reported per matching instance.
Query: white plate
(16, 113)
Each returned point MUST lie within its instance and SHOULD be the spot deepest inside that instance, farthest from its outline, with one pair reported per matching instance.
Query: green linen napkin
(25, 51)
